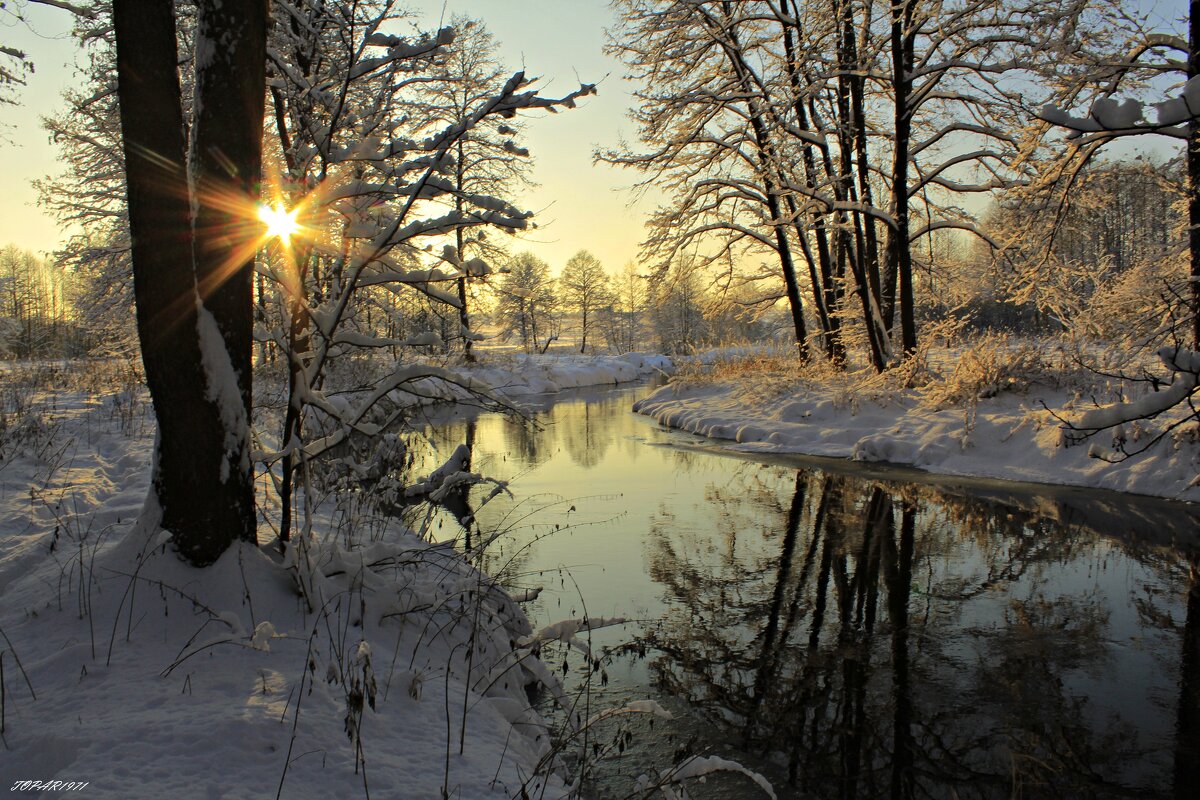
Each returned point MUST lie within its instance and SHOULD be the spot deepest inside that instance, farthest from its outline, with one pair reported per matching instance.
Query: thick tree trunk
(192, 275)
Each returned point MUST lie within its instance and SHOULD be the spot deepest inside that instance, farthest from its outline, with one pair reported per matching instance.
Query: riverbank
(365, 661)
(521, 375)
(1007, 424)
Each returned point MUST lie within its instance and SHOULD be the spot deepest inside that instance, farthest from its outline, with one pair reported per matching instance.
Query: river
(846, 630)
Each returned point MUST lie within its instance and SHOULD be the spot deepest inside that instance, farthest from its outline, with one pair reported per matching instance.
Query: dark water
(847, 632)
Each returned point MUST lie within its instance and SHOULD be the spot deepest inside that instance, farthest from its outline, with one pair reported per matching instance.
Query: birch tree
(527, 307)
(583, 289)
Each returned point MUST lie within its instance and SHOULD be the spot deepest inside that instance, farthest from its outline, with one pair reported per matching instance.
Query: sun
(279, 221)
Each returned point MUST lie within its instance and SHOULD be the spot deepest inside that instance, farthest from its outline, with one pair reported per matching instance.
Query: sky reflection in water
(850, 635)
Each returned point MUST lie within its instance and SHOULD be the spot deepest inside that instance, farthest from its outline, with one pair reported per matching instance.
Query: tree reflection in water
(884, 640)
(852, 634)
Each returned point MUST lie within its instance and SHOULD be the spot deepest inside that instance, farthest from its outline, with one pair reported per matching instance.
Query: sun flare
(279, 221)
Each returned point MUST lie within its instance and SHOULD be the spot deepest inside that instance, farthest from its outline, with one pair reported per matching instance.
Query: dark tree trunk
(769, 172)
(194, 275)
(826, 296)
(1187, 724)
(1193, 168)
(899, 254)
(464, 318)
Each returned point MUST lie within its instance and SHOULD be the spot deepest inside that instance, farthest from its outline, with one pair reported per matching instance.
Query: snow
(529, 375)
(698, 767)
(1011, 436)
(222, 389)
(145, 677)
(1185, 364)
(347, 663)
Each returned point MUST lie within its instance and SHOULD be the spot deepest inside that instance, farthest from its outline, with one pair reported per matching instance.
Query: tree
(527, 304)
(1110, 252)
(34, 302)
(368, 190)
(1109, 119)
(705, 121)
(772, 125)
(88, 196)
(583, 289)
(192, 193)
(487, 161)
(677, 308)
(621, 321)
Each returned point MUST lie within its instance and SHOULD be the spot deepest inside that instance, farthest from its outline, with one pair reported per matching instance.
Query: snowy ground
(370, 661)
(1007, 425)
(365, 662)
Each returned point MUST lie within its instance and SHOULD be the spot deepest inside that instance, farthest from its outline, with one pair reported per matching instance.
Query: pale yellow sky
(579, 205)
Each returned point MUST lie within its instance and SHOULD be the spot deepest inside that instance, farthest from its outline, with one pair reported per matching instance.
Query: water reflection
(875, 642)
(857, 635)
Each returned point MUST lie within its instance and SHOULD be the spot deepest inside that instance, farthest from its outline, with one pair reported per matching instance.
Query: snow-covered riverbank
(524, 375)
(1010, 436)
(368, 660)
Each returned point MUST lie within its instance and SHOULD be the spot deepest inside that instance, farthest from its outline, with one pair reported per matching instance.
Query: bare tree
(369, 192)
(488, 160)
(583, 289)
(1108, 119)
(528, 304)
(622, 320)
(704, 118)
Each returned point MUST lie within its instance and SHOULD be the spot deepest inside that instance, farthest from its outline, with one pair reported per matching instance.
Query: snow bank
(515, 377)
(338, 670)
(1009, 437)
(148, 678)
(527, 375)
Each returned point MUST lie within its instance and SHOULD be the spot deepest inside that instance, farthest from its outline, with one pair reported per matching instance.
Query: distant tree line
(38, 307)
(673, 311)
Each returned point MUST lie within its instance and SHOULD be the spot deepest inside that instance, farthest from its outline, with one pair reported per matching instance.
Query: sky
(578, 205)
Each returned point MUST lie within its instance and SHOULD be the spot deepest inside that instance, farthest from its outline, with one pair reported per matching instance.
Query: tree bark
(464, 319)
(899, 254)
(1193, 169)
(192, 252)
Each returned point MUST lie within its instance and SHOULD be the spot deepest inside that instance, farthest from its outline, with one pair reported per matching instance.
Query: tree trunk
(192, 274)
(1193, 169)
(899, 255)
(769, 172)
(463, 318)
(825, 294)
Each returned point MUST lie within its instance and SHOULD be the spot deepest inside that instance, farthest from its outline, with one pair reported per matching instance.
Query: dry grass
(949, 370)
